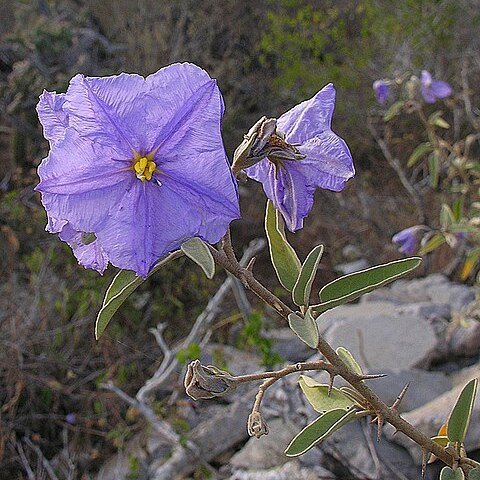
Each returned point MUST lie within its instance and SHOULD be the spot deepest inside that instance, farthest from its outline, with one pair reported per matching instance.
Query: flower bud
(207, 382)
(256, 425)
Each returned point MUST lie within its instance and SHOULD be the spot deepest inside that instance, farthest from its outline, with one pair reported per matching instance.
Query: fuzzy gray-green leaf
(305, 328)
(197, 250)
(460, 415)
(303, 285)
(348, 359)
(284, 259)
(321, 397)
(448, 474)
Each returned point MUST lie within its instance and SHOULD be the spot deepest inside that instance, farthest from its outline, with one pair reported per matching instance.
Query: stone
(355, 448)
(431, 416)
(392, 342)
(289, 471)
(267, 451)
(288, 345)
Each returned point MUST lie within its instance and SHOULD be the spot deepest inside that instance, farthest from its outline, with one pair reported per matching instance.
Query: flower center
(144, 168)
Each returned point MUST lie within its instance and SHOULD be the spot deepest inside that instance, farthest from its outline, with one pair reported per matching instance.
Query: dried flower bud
(207, 382)
(261, 141)
(256, 425)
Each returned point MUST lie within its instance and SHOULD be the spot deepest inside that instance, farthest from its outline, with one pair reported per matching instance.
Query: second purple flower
(305, 154)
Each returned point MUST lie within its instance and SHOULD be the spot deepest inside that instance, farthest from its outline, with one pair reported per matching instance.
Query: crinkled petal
(76, 165)
(441, 89)
(288, 188)
(89, 255)
(329, 163)
(314, 115)
(406, 240)
(152, 220)
(52, 116)
(177, 96)
(381, 89)
(109, 111)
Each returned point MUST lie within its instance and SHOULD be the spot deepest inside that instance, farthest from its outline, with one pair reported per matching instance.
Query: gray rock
(390, 342)
(290, 471)
(431, 416)
(351, 267)
(267, 451)
(355, 447)
(423, 387)
(288, 345)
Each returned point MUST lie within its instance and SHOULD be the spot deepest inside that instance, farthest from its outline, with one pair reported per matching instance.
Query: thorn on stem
(250, 264)
(399, 399)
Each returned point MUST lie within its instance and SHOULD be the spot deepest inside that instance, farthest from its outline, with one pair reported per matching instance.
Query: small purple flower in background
(433, 90)
(305, 154)
(136, 166)
(406, 240)
(381, 89)
(71, 418)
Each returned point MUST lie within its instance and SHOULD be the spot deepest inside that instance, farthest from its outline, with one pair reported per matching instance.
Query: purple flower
(136, 166)
(381, 89)
(71, 418)
(406, 240)
(433, 90)
(302, 154)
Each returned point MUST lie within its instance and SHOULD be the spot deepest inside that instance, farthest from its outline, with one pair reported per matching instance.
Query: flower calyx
(202, 382)
(263, 140)
(256, 425)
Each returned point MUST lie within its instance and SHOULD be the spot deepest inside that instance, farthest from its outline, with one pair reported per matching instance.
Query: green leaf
(304, 328)
(123, 284)
(447, 217)
(457, 209)
(303, 285)
(434, 169)
(418, 153)
(474, 474)
(460, 415)
(284, 259)
(197, 250)
(434, 242)
(320, 398)
(441, 440)
(348, 359)
(350, 287)
(448, 474)
(318, 430)
(393, 111)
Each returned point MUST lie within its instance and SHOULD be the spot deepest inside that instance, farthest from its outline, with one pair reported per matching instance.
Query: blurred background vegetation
(266, 56)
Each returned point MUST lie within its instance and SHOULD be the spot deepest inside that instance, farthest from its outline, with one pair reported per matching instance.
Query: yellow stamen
(144, 167)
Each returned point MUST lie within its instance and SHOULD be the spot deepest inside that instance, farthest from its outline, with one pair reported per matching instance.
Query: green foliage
(192, 352)
(449, 474)
(459, 419)
(303, 285)
(350, 287)
(252, 336)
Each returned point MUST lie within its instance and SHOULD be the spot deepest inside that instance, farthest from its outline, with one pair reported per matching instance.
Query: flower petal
(108, 110)
(441, 89)
(52, 116)
(329, 163)
(153, 220)
(89, 255)
(178, 94)
(427, 94)
(314, 115)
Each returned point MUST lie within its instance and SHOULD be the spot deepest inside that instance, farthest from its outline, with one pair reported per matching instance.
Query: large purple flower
(136, 166)
(433, 90)
(305, 154)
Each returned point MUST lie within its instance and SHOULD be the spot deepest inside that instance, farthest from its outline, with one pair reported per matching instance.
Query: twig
(395, 164)
(202, 323)
(41, 456)
(23, 458)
